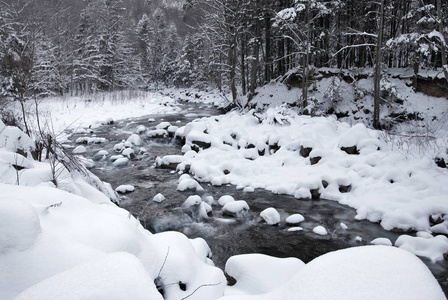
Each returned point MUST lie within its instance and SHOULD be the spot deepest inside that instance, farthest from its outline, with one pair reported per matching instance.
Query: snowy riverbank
(72, 242)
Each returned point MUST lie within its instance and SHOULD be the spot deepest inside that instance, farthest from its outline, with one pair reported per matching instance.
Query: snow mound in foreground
(369, 272)
(19, 224)
(115, 276)
(258, 273)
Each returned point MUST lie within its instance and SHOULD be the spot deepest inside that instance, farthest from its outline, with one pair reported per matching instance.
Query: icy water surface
(227, 236)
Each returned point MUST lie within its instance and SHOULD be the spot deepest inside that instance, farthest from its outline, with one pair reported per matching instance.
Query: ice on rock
(320, 230)
(225, 199)
(235, 208)
(271, 216)
(343, 226)
(381, 241)
(358, 239)
(433, 248)
(79, 150)
(19, 224)
(125, 188)
(120, 162)
(258, 273)
(151, 120)
(294, 219)
(158, 198)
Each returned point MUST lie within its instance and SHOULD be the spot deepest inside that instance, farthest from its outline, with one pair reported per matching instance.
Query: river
(228, 236)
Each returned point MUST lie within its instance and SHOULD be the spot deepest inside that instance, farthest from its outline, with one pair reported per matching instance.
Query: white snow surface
(368, 272)
(430, 247)
(125, 188)
(271, 216)
(258, 273)
(294, 219)
(382, 184)
(82, 112)
(320, 230)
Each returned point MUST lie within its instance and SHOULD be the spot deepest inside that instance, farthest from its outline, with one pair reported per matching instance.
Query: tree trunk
(306, 60)
(243, 65)
(232, 64)
(442, 42)
(255, 54)
(377, 78)
(268, 62)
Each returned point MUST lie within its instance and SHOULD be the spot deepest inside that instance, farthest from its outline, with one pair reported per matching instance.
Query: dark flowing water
(228, 236)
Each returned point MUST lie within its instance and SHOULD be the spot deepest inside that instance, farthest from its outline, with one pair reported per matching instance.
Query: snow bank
(258, 273)
(82, 112)
(19, 224)
(431, 247)
(369, 272)
(115, 276)
(317, 157)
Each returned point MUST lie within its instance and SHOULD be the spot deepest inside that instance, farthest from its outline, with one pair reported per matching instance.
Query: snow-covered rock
(433, 248)
(225, 199)
(129, 153)
(381, 241)
(295, 228)
(135, 139)
(163, 125)
(320, 230)
(294, 219)
(156, 133)
(191, 201)
(158, 198)
(235, 208)
(125, 188)
(271, 216)
(258, 274)
(141, 129)
(189, 185)
(120, 162)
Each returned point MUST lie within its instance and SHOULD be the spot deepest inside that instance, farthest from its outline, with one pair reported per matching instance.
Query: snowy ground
(71, 242)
